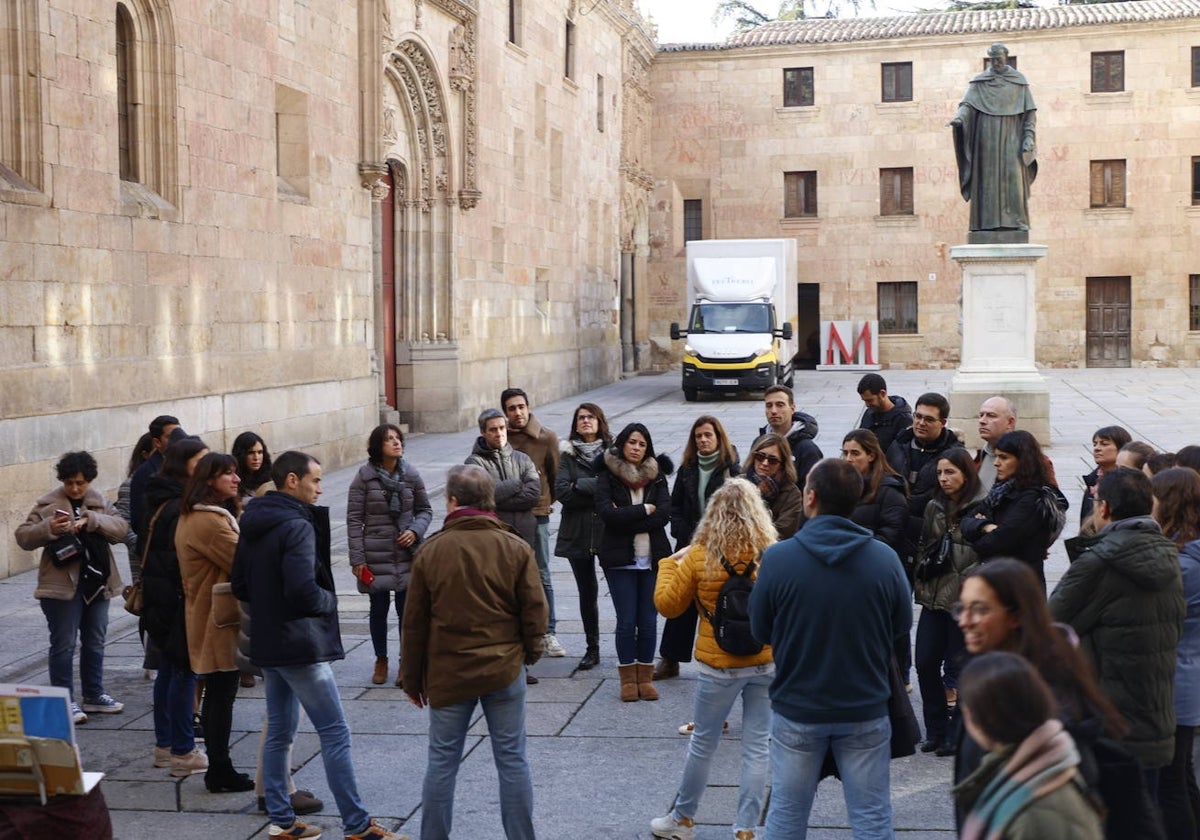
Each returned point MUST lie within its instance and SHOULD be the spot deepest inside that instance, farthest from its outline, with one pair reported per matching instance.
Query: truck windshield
(731, 318)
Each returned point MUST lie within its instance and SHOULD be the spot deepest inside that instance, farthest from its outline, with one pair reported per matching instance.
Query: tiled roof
(840, 30)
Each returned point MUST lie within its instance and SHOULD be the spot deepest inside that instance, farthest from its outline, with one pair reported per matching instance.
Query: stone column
(999, 329)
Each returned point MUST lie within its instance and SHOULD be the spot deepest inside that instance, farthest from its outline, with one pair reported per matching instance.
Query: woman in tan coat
(205, 540)
(733, 534)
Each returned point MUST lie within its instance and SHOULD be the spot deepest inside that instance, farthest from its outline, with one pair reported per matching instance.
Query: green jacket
(1123, 594)
(942, 591)
(1063, 814)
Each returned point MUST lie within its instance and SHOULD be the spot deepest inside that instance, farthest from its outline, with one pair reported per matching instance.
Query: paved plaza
(601, 768)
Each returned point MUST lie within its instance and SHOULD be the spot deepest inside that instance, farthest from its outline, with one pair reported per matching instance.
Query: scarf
(392, 483)
(1041, 764)
(772, 488)
(1000, 490)
(587, 452)
(707, 465)
(458, 513)
(633, 476)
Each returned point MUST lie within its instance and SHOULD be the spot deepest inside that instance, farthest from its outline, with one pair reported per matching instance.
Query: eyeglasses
(926, 418)
(975, 611)
(585, 418)
(766, 459)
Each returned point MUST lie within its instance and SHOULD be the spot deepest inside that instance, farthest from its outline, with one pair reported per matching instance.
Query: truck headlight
(689, 350)
(763, 351)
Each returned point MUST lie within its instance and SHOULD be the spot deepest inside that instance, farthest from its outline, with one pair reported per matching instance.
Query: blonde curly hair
(735, 523)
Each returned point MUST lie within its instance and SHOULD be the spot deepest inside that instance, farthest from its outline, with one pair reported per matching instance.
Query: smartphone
(61, 512)
(366, 575)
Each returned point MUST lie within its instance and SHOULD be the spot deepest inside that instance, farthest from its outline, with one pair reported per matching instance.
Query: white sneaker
(668, 828)
(552, 646)
(77, 714)
(102, 705)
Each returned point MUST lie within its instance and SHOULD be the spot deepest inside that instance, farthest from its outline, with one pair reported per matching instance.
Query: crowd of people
(1067, 716)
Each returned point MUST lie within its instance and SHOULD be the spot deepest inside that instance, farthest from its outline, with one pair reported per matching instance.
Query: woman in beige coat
(205, 540)
(74, 525)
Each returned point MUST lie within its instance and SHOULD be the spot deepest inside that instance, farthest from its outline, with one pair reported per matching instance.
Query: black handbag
(935, 561)
(65, 550)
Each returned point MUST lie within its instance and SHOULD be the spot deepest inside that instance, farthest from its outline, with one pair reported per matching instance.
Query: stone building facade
(857, 164)
(200, 217)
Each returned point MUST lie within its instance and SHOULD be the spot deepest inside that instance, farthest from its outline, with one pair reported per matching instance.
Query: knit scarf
(999, 491)
(587, 452)
(392, 483)
(1041, 764)
(708, 465)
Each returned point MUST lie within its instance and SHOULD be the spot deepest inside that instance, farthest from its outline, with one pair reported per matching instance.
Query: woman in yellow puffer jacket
(737, 527)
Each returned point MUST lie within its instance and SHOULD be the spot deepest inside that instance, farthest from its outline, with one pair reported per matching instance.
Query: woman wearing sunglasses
(772, 470)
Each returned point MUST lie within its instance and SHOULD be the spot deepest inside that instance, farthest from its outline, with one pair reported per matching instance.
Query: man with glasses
(830, 601)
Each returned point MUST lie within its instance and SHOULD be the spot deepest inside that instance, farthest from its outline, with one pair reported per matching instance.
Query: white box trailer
(741, 296)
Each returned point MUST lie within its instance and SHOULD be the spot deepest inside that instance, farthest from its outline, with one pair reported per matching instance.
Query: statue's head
(998, 58)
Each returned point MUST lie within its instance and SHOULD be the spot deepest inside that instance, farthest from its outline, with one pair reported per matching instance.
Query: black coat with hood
(686, 509)
(805, 451)
(886, 516)
(580, 530)
(887, 424)
(281, 569)
(163, 614)
(623, 519)
(902, 455)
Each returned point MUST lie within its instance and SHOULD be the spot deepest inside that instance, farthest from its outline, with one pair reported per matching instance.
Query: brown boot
(629, 682)
(381, 669)
(666, 669)
(645, 688)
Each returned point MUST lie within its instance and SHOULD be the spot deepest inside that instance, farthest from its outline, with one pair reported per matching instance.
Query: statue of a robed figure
(994, 141)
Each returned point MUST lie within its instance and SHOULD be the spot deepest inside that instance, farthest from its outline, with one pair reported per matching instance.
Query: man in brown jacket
(475, 616)
(526, 434)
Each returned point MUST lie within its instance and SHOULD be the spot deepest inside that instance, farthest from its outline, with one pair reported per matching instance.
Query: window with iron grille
(1194, 302)
(693, 219)
(897, 308)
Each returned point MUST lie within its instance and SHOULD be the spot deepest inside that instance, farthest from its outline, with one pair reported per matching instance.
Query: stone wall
(722, 135)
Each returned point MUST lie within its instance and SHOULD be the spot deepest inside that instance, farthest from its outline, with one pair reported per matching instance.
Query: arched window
(125, 79)
(21, 158)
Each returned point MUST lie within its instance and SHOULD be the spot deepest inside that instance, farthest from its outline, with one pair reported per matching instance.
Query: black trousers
(938, 641)
(584, 569)
(220, 690)
(679, 636)
(1178, 794)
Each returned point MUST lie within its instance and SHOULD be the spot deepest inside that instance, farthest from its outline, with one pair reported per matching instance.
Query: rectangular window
(1194, 302)
(599, 102)
(1108, 183)
(1012, 62)
(1108, 71)
(798, 87)
(897, 82)
(569, 51)
(1195, 66)
(693, 219)
(897, 308)
(514, 22)
(799, 194)
(896, 192)
(1196, 180)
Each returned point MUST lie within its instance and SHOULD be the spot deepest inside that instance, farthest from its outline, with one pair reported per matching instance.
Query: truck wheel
(689, 394)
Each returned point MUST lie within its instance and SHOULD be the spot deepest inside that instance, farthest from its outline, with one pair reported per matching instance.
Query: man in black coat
(281, 570)
(799, 428)
(885, 415)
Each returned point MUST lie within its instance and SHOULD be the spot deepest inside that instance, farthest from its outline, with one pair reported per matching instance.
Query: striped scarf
(1042, 763)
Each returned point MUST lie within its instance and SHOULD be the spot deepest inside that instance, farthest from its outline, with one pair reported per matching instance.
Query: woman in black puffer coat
(580, 530)
(883, 507)
(387, 514)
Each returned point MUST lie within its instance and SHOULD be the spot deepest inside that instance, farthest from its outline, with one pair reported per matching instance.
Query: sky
(682, 21)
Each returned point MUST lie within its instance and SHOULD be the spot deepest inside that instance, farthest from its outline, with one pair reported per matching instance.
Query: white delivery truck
(741, 295)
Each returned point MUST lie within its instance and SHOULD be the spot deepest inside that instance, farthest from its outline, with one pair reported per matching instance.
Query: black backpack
(731, 619)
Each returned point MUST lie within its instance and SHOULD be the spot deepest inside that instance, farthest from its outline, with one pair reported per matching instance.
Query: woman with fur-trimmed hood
(633, 500)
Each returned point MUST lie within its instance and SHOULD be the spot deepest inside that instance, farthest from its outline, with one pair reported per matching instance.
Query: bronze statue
(994, 143)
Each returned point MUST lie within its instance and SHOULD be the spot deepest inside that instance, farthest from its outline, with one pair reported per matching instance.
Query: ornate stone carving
(371, 175)
(418, 13)
(469, 199)
(389, 124)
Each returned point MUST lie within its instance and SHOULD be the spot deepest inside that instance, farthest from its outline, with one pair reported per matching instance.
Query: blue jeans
(67, 621)
(863, 753)
(541, 553)
(632, 592)
(381, 605)
(505, 713)
(714, 699)
(313, 687)
(174, 704)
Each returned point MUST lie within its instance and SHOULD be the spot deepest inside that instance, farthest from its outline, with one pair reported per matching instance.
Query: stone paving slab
(604, 768)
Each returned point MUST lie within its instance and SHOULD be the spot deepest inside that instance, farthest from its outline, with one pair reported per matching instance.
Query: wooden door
(1108, 316)
(387, 290)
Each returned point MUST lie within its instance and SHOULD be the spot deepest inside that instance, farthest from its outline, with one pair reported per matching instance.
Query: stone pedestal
(428, 388)
(999, 327)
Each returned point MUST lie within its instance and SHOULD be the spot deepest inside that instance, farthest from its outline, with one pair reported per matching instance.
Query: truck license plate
(725, 382)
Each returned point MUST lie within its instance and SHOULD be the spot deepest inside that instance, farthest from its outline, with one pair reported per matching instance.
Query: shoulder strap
(150, 533)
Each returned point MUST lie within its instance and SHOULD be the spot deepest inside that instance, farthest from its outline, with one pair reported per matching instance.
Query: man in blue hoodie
(281, 570)
(829, 602)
